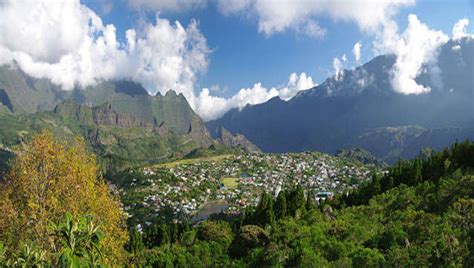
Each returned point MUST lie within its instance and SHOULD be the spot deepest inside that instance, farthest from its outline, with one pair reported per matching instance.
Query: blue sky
(225, 54)
(241, 55)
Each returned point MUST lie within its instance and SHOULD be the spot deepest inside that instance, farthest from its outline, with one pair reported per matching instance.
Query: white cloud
(230, 7)
(167, 5)
(212, 107)
(456, 48)
(48, 30)
(338, 69)
(168, 56)
(302, 15)
(416, 48)
(72, 47)
(459, 29)
(356, 51)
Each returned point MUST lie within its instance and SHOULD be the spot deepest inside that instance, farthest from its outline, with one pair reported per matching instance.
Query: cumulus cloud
(166, 5)
(356, 51)
(302, 15)
(459, 29)
(212, 107)
(73, 47)
(416, 51)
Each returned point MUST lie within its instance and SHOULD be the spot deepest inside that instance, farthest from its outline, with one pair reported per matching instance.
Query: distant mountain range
(124, 125)
(362, 110)
(119, 120)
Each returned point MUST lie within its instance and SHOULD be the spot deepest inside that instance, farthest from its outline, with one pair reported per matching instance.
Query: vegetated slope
(121, 140)
(418, 214)
(362, 156)
(24, 94)
(361, 107)
(119, 119)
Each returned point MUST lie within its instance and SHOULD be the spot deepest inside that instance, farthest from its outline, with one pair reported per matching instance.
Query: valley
(256, 133)
(181, 191)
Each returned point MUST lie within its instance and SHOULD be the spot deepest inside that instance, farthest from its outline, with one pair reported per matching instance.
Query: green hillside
(120, 121)
(23, 94)
(419, 214)
(120, 140)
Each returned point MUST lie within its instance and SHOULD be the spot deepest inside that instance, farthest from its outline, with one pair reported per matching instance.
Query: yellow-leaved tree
(49, 179)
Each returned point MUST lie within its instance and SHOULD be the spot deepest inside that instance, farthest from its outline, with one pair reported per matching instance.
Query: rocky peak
(238, 140)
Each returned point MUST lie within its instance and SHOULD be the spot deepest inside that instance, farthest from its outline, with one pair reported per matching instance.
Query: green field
(193, 161)
(230, 182)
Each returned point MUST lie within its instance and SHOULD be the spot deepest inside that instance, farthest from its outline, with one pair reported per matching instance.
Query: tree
(219, 231)
(296, 200)
(164, 234)
(49, 179)
(366, 257)
(264, 212)
(280, 205)
(248, 238)
(309, 202)
(136, 241)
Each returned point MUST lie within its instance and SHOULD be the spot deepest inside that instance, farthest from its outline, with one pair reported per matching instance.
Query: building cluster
(185, 190)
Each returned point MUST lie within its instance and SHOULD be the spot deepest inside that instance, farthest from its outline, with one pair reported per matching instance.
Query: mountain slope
(21, 93)
(120, 140)
(338, 112)
(118, 119)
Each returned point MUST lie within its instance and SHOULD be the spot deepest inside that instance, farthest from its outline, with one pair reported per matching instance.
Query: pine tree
(136, 241)
(164, 235)
(280, 205)
(264, 214)
(309, 202)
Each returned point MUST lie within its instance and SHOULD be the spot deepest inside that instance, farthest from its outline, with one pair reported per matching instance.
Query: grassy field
(193, 160)
(230, 182)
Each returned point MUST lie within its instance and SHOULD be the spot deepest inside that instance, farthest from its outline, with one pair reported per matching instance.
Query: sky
(224, 54)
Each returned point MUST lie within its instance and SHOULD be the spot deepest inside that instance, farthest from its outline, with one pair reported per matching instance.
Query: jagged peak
(171, 93)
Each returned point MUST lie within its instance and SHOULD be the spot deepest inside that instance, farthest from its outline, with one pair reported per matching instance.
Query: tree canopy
(49, 179)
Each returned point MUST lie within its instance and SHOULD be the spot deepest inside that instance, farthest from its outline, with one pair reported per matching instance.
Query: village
(192, 190)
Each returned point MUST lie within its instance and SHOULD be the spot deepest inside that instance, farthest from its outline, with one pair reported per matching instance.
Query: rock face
(23, 94)
(105, 115)
(362, 106)
(236, 141)
(100, 115)
(118, 119)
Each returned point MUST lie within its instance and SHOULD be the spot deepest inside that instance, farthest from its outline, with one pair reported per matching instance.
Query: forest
(57, 211)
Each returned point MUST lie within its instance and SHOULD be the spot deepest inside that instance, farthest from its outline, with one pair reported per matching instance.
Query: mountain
(119, 120)
(362, 156)
(362, 109)
(21, 93)
(120, 140)
(238, 140)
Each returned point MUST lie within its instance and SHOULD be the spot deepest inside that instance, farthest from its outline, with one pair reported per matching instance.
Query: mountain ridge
(335, 113)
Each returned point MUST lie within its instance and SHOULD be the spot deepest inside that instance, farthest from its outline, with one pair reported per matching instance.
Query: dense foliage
(56, 211)
(418, 214)
(47, 181)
